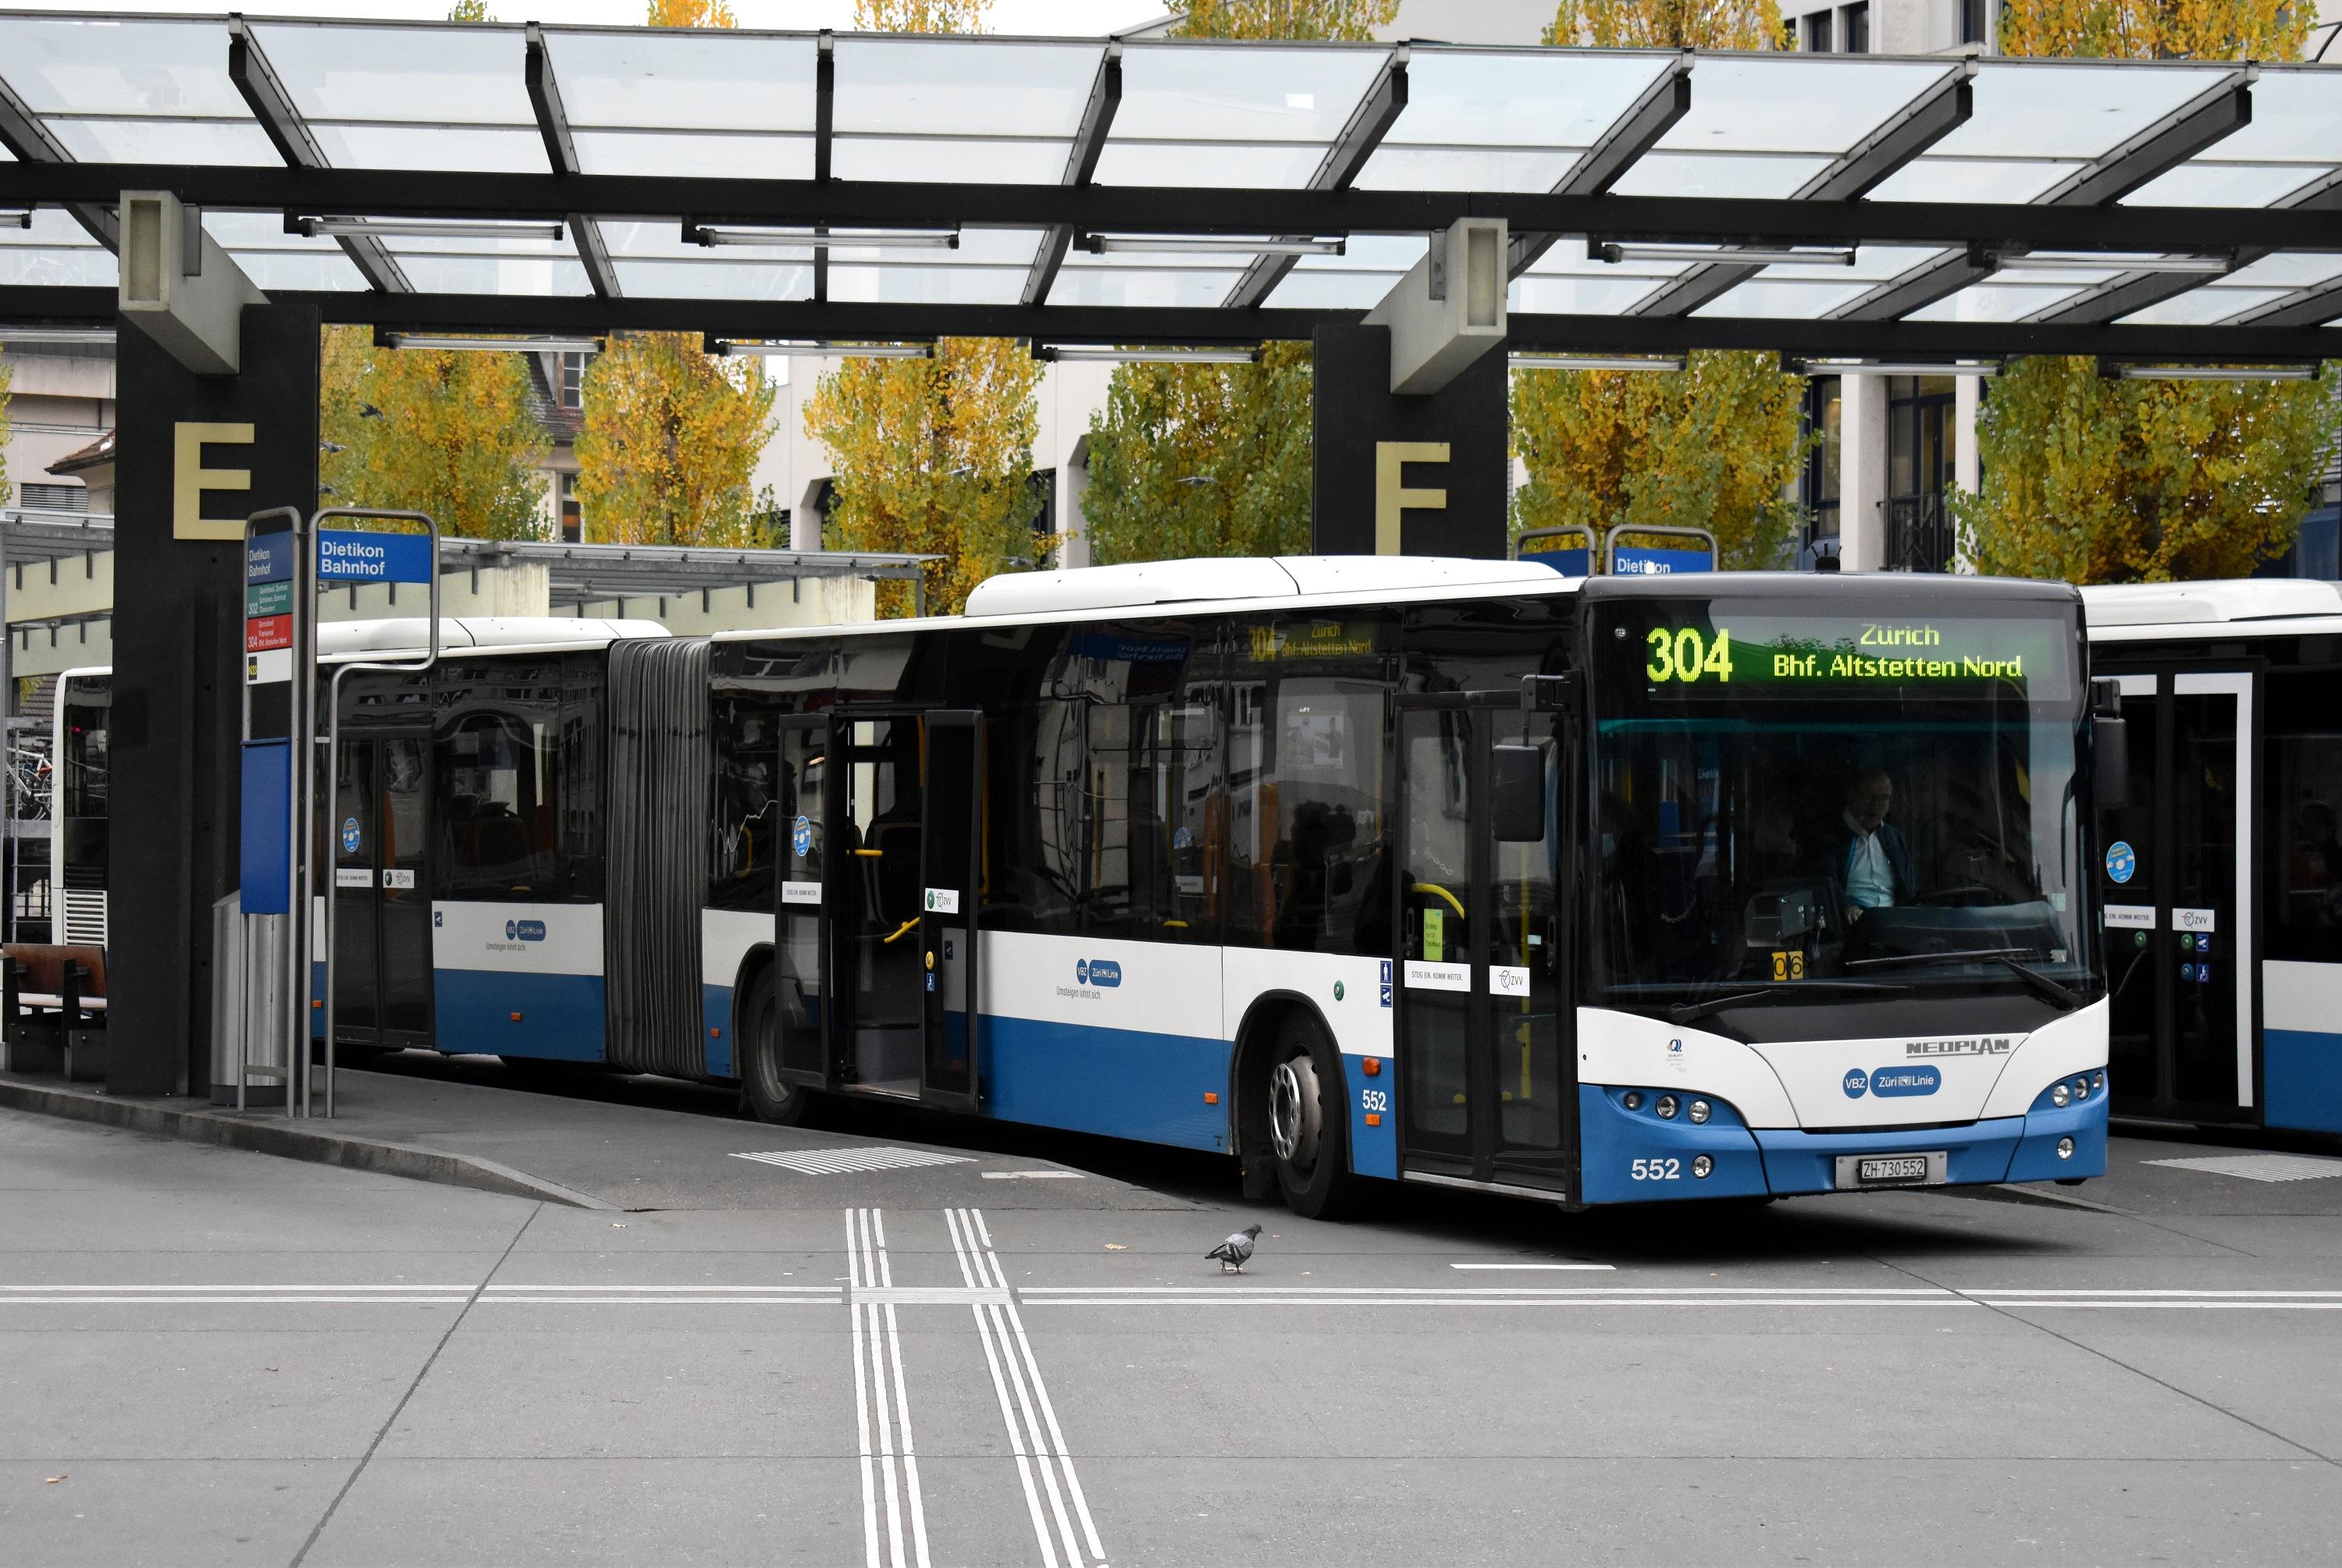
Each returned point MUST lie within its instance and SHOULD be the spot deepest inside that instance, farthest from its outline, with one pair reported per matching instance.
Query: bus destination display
(1720, 653)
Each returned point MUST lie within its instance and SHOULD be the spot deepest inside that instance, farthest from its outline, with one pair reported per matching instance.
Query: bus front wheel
(1307, 1130)
(772, 1097)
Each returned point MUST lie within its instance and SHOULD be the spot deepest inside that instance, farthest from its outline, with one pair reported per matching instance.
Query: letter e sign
(190, 479)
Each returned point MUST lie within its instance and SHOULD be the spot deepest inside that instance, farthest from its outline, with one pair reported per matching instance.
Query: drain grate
(863, 1157)
(2260, 1167)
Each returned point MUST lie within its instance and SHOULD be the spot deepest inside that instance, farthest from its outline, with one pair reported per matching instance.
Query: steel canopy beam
(2119, 297)
(29, 141)
(1944, 107)
(1631, 135)
(2158, 149)
(1203, 210)
(264, 90)
(561, 151)
(824, 139)
(1381, 105)
(1081, 165)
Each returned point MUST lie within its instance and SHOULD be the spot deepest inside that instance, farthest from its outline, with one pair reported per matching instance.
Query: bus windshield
(1791, 805)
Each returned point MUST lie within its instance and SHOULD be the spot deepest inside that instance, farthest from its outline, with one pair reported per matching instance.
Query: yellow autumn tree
(1714, 447)
(2101, 481)
(8, 378)
(455, 434)
(1301, 21)
(668, 437)
(933, 456)
(667, 448)
(2158, 29)
(1666, 24)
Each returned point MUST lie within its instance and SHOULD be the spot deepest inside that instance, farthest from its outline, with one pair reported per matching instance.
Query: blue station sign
(347, 556)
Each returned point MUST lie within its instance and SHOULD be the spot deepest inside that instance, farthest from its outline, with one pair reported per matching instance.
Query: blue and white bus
(2223, 885)
(1450, 871)
(1457, 872)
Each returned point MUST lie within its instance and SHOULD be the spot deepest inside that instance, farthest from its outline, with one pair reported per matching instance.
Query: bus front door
(379, 829)
(901, 901)
(2180, 886)
(1485, 1075)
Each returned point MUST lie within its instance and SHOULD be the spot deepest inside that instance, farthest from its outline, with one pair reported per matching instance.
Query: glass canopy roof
(1189, 115)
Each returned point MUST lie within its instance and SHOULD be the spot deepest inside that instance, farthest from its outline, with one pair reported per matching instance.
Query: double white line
(1033, 1430)
(1711, 1296)
(890, 1461)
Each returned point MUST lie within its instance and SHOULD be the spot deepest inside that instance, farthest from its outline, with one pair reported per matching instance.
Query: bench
(52, 1010)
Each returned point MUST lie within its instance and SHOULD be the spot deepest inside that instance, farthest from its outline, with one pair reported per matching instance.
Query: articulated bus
(2222, 878)
(1741, 885)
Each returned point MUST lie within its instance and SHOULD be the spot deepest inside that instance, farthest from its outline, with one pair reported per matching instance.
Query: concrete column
(1862, 472)
(1967, 462)
(1072, 526)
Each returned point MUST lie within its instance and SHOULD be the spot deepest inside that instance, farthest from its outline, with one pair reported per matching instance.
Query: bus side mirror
(2110, 748)
(1517, 787)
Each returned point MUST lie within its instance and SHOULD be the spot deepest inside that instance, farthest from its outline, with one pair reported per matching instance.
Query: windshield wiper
(1693, 1012)
(2007, 956)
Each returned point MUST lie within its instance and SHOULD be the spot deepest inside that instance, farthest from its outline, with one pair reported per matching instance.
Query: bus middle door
(1486, 1085)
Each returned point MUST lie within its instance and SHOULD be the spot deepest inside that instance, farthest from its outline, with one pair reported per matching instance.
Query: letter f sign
(1392, 497)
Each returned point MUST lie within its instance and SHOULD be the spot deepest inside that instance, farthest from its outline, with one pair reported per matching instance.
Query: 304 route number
(1656, 1170)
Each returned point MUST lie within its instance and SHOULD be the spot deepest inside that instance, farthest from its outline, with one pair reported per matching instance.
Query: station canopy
(819, 188)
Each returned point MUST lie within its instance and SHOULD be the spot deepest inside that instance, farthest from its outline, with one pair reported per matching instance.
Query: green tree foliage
(452, 435)
(2097, 481)
(1202, 460)
(1214, 459)
(2101, 481)
(1714, 446)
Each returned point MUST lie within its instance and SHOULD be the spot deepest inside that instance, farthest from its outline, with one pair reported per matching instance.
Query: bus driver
(1873, 863)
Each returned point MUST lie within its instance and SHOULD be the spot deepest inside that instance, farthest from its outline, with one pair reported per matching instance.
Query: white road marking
(883, 1402)
(857, 1158)
(1034, 1176)
(1031, 1419)
(1493, 1268)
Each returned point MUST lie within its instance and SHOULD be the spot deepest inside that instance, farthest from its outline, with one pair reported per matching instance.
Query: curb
(291, 1141)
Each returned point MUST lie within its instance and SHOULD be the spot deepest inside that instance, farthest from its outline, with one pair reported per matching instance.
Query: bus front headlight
(2061, 1096)
(1665, 1107)
(1699, 1113)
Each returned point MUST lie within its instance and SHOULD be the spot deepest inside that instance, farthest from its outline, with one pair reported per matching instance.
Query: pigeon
(1233, 1252)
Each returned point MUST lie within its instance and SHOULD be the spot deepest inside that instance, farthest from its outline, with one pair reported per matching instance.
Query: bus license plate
(1892, 1168)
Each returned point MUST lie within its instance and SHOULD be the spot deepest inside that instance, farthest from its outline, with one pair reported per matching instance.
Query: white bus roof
(2136, 612)
(412, 632)
(1238, 578)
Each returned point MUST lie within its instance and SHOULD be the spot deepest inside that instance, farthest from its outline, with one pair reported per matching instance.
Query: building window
(570, 388)
(1976, 21)
(1919, 460)
(1818, 33)
(573, 514)
(53, 498)
(1854, 29)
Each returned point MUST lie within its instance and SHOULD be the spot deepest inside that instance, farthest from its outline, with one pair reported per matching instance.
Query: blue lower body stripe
(557, 1017)
(1121, 1083)
(2301, 1080)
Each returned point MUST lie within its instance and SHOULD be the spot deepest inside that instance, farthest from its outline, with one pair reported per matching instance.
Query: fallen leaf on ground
(1116, 1247)
(54, 1479)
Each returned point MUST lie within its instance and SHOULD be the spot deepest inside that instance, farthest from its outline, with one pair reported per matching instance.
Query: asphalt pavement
(211, 1355)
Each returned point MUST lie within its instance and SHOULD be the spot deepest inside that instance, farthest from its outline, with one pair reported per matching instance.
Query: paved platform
(208, 1355)
(616, 1143)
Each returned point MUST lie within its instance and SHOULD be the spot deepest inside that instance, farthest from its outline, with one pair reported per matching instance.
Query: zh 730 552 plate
(1855, 1171)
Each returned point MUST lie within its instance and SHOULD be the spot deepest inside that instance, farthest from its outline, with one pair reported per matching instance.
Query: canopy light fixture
(424, 229)
(824, 239)
(1891, 367)
(1087, 354)
(2209, 372)
(16, 218)
(774, 349)
(60, 335)
(524, 344)
(1597, 360)
(1210, 245)
(2019, 261)
(1610, 251)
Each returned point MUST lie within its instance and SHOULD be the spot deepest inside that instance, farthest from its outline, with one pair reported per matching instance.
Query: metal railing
(1920, 536)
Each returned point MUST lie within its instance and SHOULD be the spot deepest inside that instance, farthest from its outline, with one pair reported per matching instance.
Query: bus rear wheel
(770, 1096)
(1308, 1133)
